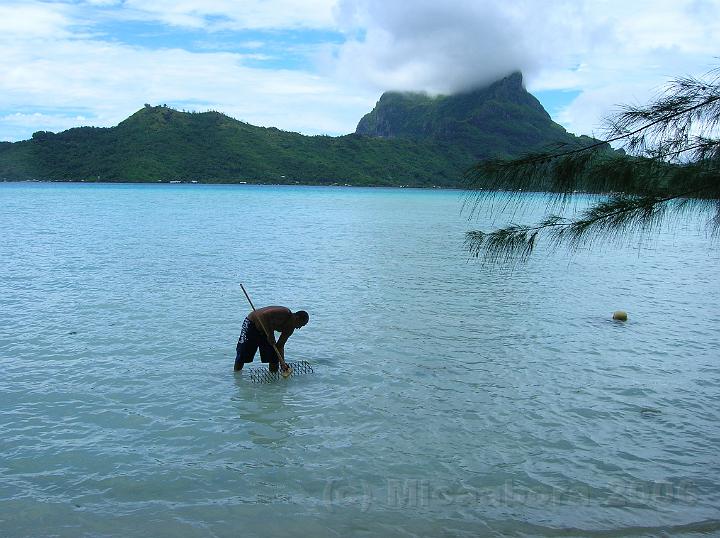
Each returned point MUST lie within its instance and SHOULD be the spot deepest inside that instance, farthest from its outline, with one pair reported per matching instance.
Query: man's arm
(268, 326)
(286, 333)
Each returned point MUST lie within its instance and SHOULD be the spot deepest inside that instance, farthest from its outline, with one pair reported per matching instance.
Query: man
(258, 330)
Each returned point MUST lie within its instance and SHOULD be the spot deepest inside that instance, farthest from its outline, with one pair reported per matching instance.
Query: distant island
(408, 139)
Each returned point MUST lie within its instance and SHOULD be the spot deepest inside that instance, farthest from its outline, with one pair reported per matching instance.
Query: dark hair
(304, 316)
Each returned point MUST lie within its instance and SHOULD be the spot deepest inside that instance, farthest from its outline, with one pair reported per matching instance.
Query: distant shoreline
(238, 183)
(253, 184)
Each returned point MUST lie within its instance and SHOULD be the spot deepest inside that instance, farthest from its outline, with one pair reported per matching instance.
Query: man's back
(272, 318)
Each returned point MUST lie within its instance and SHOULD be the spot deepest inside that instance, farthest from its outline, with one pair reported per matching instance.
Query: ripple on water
(448, 399)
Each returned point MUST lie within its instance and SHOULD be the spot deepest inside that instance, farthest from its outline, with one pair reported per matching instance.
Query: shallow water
(449, 398)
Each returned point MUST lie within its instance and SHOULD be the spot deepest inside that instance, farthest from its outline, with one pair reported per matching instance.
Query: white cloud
(109, 81)
(644, 45)
(233, 14)
(252, 44)
(22, 21)
(610, 52)
(431, 46)
(48, 65)
(103, 3)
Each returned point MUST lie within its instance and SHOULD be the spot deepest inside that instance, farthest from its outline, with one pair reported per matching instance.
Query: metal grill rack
(260, 374)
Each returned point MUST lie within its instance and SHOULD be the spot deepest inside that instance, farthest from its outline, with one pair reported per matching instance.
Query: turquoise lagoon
(449, 398)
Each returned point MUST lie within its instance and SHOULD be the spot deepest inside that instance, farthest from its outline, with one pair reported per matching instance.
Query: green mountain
(502, 119)
(408, 139)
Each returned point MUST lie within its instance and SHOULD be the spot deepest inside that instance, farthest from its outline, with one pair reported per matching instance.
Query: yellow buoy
(620, 315)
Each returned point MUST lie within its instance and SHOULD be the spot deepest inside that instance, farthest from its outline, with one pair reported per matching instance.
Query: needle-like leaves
(670, 165)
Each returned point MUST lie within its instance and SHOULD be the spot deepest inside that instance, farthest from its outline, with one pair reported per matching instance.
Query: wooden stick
(285, 368)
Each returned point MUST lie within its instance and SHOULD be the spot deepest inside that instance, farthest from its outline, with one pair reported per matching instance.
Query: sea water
(450, 397)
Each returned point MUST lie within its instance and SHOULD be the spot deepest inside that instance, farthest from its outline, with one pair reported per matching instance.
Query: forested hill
(501, 119)
(408, 139)
(162, 144)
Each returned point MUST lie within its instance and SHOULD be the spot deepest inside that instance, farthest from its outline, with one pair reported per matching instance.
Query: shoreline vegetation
(238, 183)
(296, 184)
(407, 140)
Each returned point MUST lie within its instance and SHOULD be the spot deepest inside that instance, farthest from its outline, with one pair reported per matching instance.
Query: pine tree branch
(615, 216)
(676, 168)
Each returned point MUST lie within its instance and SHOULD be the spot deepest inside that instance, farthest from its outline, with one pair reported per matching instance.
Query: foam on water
(449, 398)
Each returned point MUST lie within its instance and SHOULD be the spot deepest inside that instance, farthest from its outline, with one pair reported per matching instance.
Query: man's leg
(267, 354)
(239, 362)
(244, 352)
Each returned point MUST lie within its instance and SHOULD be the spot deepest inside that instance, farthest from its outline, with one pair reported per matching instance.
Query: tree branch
(518, 241)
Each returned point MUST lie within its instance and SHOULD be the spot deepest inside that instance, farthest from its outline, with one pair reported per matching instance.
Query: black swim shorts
(250, 339)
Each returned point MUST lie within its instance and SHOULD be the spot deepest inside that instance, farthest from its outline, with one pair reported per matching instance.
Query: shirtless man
(258, 330)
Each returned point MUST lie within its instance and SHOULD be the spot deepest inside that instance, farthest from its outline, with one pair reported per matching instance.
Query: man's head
(301, 318)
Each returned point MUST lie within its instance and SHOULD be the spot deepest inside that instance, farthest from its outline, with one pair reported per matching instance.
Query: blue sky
(316, 66)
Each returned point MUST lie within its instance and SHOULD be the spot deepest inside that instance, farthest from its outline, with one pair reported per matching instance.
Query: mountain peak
(513, 79)
(502, 116)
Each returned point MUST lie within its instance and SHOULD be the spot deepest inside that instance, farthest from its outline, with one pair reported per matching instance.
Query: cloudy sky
(316, 66)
